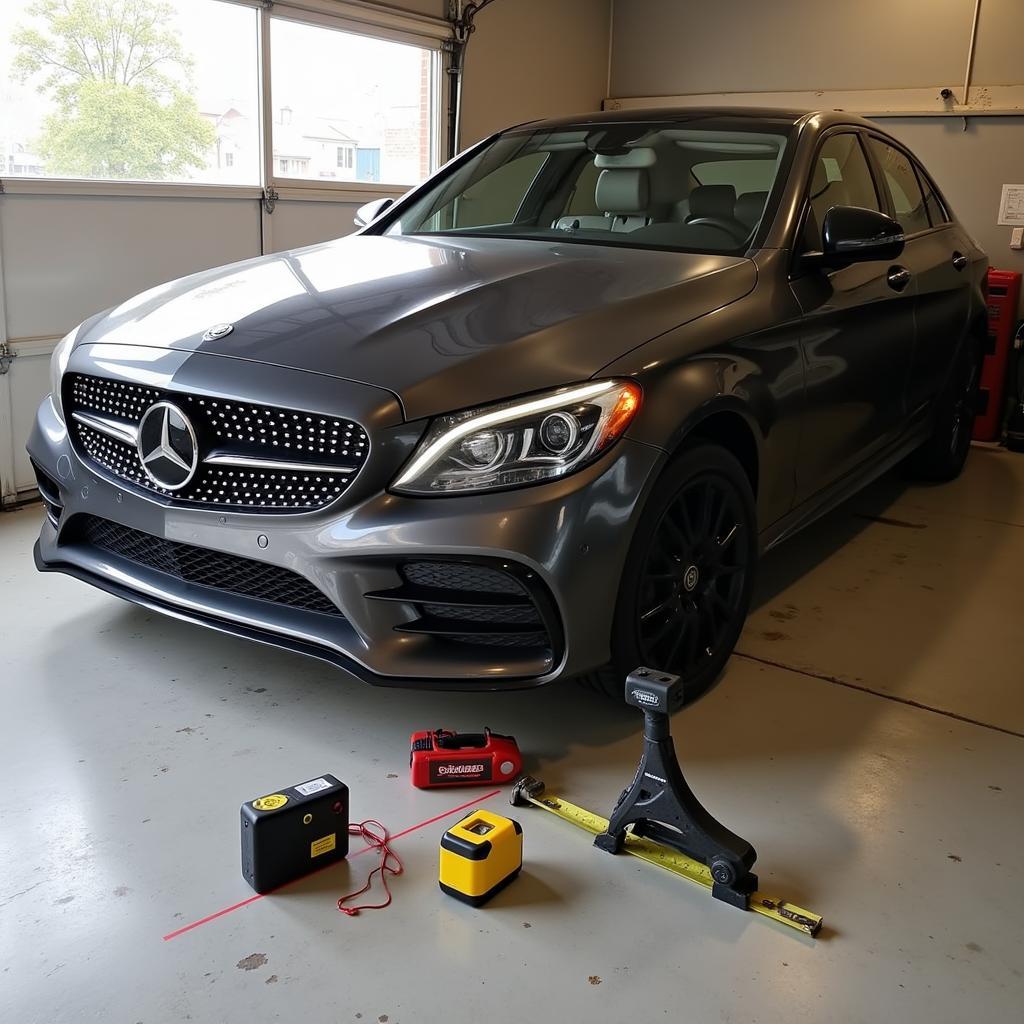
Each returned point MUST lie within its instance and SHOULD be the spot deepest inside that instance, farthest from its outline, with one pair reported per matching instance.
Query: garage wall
(534, 58)
(680, 46)
(66, 257)
(683, 47)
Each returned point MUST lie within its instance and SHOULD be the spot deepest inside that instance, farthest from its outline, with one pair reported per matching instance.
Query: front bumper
(569, 539)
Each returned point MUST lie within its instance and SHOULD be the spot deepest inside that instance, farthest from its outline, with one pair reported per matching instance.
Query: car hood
(442, 323)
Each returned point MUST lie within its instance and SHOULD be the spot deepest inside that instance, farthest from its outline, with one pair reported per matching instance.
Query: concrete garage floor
(869, 740)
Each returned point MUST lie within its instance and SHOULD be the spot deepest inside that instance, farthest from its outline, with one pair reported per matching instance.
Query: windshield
(694, 187)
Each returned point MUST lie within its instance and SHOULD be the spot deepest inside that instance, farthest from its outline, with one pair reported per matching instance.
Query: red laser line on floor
(365, 849)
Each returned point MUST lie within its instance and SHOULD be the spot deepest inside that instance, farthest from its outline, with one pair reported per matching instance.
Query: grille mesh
(536, 639)
(458, 576)
(229, 573)
(112, 397)
(517, 614)
(120, 459)
(232, 428)
(476, 592)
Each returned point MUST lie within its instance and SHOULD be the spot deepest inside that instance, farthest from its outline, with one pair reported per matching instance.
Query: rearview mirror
(851, 234)
(369, 212)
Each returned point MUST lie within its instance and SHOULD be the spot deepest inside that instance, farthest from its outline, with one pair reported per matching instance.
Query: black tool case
(293, 831)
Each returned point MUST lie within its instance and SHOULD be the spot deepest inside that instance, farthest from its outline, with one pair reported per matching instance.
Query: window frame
(921, 175)
(924, 178)
(312, 13)
(940, 199)
(796, 247)
(883, 182)
(350, 16)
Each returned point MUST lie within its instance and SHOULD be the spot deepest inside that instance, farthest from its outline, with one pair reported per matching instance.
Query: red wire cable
(380, 841)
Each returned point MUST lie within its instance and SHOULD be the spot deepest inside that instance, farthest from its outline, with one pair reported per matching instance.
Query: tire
(686, 586)
(943, 455)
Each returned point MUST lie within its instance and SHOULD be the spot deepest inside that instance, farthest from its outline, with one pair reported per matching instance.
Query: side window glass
(582, 200)
(496, 198)
(907, 199)
(937, 212)
(841, 177)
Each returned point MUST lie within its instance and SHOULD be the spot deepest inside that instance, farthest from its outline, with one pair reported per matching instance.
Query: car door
(857, 331)
(935, 254)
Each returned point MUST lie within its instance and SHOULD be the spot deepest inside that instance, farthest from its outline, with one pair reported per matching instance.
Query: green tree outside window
(116, 72)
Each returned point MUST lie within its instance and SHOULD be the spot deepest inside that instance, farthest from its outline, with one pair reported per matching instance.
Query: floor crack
(10, 898)
(824, 677)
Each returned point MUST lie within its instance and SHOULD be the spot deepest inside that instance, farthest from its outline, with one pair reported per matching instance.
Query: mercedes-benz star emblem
(167, 446)
(218, 331)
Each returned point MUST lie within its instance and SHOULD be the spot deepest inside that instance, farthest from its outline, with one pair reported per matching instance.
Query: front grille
(230, 574)
(333, 449)
(477, 604)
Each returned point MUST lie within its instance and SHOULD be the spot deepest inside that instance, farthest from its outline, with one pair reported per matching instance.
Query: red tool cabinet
(1003, 297)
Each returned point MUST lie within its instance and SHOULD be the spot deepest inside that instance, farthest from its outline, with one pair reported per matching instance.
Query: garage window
(129, 90)
(151, 91)
(354, 107)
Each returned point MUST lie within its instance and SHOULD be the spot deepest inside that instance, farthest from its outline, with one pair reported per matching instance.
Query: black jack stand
(660, 805)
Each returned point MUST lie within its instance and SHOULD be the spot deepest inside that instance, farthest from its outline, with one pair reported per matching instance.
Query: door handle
(898, 278)
(960, 261)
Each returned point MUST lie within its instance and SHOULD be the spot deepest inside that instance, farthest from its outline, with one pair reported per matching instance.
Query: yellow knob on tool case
(480, 856)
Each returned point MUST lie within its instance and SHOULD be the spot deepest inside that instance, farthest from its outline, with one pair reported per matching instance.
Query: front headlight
(524, 441)
(58, 364)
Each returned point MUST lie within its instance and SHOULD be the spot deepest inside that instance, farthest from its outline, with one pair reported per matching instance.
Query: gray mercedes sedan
(537, 418)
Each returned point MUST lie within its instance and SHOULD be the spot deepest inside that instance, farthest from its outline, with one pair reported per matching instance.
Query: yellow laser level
(480, 856)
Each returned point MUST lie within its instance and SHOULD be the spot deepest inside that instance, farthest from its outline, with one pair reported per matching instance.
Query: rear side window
(841, 177)
(907, 198)
(937, 212)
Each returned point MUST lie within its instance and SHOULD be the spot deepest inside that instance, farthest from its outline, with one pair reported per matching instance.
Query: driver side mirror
(369, 212)
(851, 234)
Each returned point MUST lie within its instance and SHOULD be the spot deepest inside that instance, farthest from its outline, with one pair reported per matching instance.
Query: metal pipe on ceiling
(461, 16)
(970, 52)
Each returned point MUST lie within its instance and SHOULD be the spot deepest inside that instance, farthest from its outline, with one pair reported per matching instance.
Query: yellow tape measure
(780, 910)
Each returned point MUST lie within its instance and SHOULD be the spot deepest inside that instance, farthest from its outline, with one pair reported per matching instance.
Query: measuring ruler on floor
(776, 909)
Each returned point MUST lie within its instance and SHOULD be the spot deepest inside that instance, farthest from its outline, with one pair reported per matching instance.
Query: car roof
(823, 118)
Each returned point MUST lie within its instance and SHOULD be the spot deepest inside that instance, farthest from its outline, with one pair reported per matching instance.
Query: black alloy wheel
(687, 581)
(965, 403)
(693, 581)
(943, 455)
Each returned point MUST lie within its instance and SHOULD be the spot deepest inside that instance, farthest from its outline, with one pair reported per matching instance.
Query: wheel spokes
(693, 583)
(650, 613)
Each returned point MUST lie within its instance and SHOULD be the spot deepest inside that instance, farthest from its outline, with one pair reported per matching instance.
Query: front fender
(703, 388)
(741, 361)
